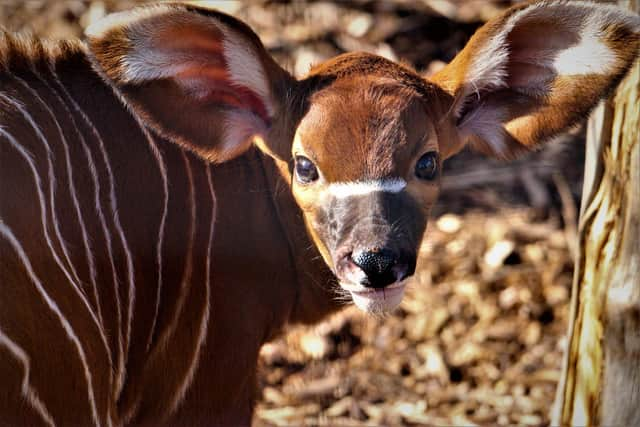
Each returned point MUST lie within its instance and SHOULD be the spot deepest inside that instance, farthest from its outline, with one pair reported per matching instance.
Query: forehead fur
(363, 127)
(365, 64)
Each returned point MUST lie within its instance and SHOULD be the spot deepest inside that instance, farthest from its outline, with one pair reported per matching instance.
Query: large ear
(536, 70)
(196, 76)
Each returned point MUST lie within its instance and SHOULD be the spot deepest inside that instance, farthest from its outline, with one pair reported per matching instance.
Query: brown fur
(258, 276)
(358, 117)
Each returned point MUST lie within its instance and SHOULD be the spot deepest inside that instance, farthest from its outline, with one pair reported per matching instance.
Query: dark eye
(305, 170)
(427, 166)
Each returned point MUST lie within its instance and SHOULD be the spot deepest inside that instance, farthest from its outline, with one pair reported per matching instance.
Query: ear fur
(196, 76)
(536, 70)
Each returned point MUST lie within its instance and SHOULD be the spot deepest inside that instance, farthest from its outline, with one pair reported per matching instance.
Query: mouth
(376, 300)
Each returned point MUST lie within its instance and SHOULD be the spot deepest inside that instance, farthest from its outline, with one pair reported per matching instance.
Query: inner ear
(535, 71)
(197, 77)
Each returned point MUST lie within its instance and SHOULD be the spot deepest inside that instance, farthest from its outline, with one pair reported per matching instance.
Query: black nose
(382, 267)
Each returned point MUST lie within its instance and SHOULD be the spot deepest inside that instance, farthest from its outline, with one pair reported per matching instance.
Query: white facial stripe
(342, 190)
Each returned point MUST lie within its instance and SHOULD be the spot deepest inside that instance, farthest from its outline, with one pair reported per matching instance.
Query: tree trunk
(601, 377)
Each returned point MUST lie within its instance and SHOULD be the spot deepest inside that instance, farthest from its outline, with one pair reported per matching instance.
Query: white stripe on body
(52, 183)
(56, 225)
(204, 324)
(188, 268)
(72, 191)
(165, 208)
(107, 234)
(127, 251)
(162, 342)
(41, 197)
(76, 203)
(28, 392)
(9, 236)
(124, 345)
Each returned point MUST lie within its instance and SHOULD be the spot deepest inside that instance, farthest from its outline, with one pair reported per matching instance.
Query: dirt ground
(479, 337)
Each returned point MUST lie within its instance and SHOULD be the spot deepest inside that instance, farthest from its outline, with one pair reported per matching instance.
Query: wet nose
(381, 266)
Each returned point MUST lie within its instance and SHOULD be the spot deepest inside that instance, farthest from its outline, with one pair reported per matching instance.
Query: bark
(601, 378)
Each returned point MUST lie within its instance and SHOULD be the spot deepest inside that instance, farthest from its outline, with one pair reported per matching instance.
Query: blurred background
(480, 335)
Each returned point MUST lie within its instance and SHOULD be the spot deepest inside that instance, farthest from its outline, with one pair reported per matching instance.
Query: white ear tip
(122, 19)
(101, 26)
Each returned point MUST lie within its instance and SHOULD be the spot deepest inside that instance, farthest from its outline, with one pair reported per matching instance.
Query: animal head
(360, 139)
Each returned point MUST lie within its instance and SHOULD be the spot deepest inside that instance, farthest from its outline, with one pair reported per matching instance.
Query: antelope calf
(171, 197)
